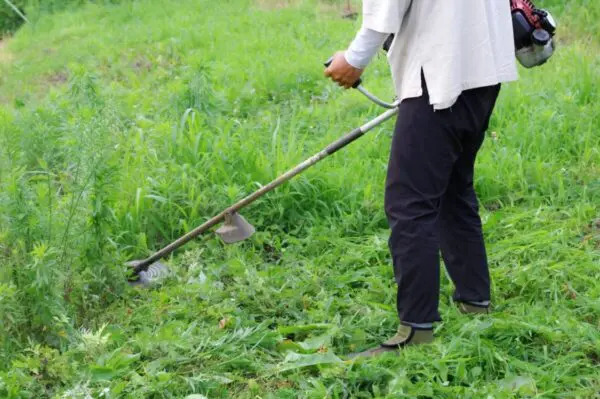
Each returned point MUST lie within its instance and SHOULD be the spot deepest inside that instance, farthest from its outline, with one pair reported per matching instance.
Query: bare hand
(341, 72)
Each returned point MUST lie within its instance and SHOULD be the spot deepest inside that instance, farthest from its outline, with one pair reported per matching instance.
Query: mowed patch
(346, 9)
(277, 4)
(6, 56)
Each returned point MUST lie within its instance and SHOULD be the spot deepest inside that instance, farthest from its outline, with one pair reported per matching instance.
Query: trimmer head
(235, 229)
(156, 272)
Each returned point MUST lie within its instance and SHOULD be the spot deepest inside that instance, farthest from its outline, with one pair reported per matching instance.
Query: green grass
(123, 126)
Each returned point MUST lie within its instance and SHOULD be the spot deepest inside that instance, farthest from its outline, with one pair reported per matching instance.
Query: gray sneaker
(469, 308)
(405, 336)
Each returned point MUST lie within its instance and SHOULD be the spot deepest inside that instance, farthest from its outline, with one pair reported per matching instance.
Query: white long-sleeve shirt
(364, 47)
(459, 45)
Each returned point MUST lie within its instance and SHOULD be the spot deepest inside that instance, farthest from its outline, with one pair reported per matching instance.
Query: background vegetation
(125, 124)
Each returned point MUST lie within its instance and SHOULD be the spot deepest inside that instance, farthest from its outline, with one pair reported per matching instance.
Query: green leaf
(519, 383)
(288, 345)
(101, 373)
(304, 328)
(310, 345)
(298, 360)
(316, 342)
(476, 372)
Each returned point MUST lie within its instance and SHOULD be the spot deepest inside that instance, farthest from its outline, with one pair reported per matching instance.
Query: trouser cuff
(479, 303)
(418, 326)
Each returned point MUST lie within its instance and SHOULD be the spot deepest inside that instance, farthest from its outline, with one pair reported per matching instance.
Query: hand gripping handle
(355, 85)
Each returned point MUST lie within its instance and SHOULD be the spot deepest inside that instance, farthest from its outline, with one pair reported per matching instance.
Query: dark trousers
(431, 204)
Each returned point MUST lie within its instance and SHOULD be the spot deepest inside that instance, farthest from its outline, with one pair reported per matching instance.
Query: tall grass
(145, 118)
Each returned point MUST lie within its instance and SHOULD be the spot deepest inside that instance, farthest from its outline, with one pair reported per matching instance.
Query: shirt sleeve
(364, 47)
(384, 15)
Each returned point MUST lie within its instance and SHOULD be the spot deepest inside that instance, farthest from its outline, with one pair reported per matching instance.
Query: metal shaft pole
(330, 149)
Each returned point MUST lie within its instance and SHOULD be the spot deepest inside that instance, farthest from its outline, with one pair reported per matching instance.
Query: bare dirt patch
(57, 77)
(6, 56)
(277, 4)
(346, 9)
(591, 233)
(142, 64)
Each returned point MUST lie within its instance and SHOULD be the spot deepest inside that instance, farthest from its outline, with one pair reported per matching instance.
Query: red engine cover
(527, 8)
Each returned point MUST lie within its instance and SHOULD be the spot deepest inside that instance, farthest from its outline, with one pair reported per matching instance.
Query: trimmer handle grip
(355, 85)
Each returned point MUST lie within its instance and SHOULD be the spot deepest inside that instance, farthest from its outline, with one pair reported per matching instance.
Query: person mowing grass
(448, 60)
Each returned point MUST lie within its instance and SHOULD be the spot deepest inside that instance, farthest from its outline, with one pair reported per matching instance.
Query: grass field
(123, 126)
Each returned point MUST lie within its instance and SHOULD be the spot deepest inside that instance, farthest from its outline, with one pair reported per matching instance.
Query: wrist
(354, 60)
(364, 47)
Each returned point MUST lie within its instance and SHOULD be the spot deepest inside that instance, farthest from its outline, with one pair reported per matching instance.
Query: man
(448, 59)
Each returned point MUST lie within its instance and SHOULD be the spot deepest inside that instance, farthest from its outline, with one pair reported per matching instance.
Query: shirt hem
(448, 101)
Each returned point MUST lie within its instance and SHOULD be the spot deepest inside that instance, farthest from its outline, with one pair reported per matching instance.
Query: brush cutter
(235, 228)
